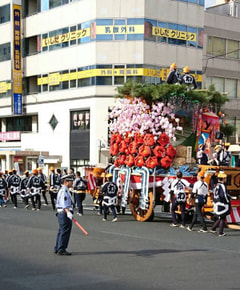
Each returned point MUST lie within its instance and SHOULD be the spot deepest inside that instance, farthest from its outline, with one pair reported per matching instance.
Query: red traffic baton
(80, 227)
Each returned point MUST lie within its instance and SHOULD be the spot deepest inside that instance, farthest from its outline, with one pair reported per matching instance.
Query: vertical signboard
(17, 61)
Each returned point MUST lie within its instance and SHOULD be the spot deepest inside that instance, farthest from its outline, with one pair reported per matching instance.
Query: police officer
(188, 79)
(13, 186)
(80, 187)
(178, 187)
(3, 190)
(173, 76)
(23, 189)
(199, 192)
(64, 215)
(109, 190)
(44, 179)
(221, 204)
(34, 186)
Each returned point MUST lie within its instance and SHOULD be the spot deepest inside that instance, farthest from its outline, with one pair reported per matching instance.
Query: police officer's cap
(68, 177)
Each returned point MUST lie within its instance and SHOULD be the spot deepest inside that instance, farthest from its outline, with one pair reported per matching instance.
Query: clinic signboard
(17, 60)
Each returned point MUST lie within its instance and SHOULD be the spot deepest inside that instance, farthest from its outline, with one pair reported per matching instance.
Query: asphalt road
(122, 255)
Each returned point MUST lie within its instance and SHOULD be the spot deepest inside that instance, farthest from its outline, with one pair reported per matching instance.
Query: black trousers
(14, 199)
(53, 196)
(44, 196)
(79, 199)
(36, 201)
(198, 214)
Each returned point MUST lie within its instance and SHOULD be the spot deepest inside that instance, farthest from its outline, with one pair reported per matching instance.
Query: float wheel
(138, 213)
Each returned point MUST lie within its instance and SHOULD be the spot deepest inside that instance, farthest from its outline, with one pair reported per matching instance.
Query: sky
(209, 2)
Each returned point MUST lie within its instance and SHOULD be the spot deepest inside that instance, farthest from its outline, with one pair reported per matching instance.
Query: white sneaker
(173, 225)
(182, 227)
(104, 220)
(202, 231)
(222, 235)
(213, 232)
(189, 229)
(114, 220)
(78, 213)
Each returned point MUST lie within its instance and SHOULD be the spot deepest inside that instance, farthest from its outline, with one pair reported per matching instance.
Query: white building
(74, 55)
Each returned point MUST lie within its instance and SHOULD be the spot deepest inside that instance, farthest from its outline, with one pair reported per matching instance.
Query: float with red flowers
(146, 126)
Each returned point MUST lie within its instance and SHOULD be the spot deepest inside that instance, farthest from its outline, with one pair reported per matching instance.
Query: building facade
(74, 54)
(221, 56)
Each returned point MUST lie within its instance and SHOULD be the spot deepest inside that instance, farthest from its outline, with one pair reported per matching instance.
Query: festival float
(157, 130)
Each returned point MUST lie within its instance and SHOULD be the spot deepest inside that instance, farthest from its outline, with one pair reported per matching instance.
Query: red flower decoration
(139, 161)
(114, 149)
(171, 151)
(122, 146)
(163, 139)
(144, 150)
(127, 139)
(116, 163)
(166, 162)
(151, 162)
(159, 151)
(149, 139)
(138, 138)
(115, 138)
(132, 147)
(121, 158)
(129, 161)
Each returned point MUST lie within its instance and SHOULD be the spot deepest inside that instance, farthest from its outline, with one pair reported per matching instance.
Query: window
(231, 87)
(80, 120)
(105, 29)
(119, 80)
(133, 22)
(5, 52)
(219, 84)
(30, 46)
(22, 124)
(104, 80)
(57, 37)
(162, 25)
(73, 28)
(192, 31)
(148, 26)
(216, 46)
(73, 78)
(56, 3)
(232, 49)
(5, 13)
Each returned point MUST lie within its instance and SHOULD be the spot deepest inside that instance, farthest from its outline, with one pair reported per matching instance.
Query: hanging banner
(17, 61)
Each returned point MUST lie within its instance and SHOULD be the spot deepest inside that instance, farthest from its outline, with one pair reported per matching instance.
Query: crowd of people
(34, 187)
(199, 192)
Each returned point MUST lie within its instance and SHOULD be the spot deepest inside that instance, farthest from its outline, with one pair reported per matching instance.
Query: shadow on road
(144, 253)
